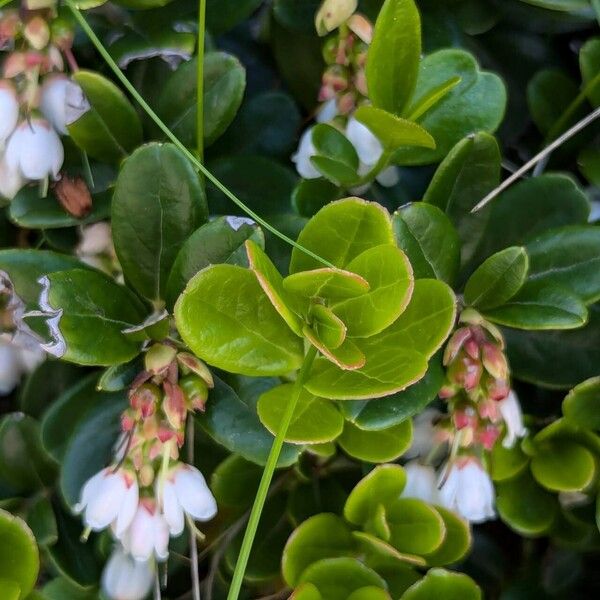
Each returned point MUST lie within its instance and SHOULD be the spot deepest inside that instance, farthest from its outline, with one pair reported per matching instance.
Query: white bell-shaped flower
(148, 534)
(467, 489)
(185, 491)
(367, 146)
(305, 150)
(421, 482)
(425, 435)
(35, 149)
(510, 409)
(62, 101)
(95, 239)
(109, 498)
(11, 180)
(125, 578)
(9, 110)
(327, 112)
(389, 177)
(10, 367)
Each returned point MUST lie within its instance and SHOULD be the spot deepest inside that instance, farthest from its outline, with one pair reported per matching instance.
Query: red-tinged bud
(146, 475)
(195, 391)
(54, 60)
(455, 344)
(487, 436)
(447, 391)
(174, 405)
(488, 409)
(145, 399)
(34, 59)
(10, 23)
(361, 27)
(360, 82)
(127, 421)
(330, 49)
(15, 64)
(190, 363)
(62, 33)
(494, 361)
(346, 103)
(335, 78)
(165, 434)
(471, 347)
(465, 417)
(498, 389)
(37, 32)
(471, 317)
(465, 372)
(158, 358)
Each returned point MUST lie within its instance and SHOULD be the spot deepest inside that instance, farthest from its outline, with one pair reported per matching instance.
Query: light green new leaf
(448, 585)
(226, 319)
(379, 446)
(334, 284)
(582, 404)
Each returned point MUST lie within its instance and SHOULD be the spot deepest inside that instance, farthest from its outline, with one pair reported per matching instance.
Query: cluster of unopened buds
(148, 494)
(343, 89)
(482, 411)
(37, 99)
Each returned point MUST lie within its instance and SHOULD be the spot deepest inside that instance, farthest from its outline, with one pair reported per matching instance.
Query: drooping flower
(109, 498)
(11, 180)
(148, 533)
(185, 491)
(125, 578)
(305, 150)
(35, 149)
(426, 436)
(467, 489)
(17, 359)
(9, 110)
(510, 409)
(62, 101)
(421, 482)
(367, 146)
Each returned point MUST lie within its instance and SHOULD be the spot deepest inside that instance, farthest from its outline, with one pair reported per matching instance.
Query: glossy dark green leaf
(231, 420)
(118, 377)
(222, 15)
(219, 241)
(226, 319)
(91, 307)
(429, 240)
(235, 481)
(158, 203)
(111, 128)
(397, 34)
(321, 536)
(477, 103)
(19, 558)
(311, 195)
(224, 84)
(589, 63)
(332, 143)
(468, 172)
(62, 589)
(539, 305)
(41, 520)
(497, 279)
(569, 257)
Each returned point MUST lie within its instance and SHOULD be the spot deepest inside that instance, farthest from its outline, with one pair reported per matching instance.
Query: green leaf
(506, 463)
(393, 132)
(226, 319)
(468, 172)
(224, 84)
(30, 211)
(415, 527)
(306, 591)
(19, 558)
(457, 540)
(235, 481)
(556, 358)
(219, 241)
(498, 279)
(158, 203)
(529, 208)
(382, 413)
(394, 55)
(332, 143)
(429, 240)
(379, 552)
(231, 420)
(40, 518)
(589, 63)
(389, 274)
(314, 421)
(24, 465)
(379, 446)
(25, 267)
(540, 305)
(563, 466)
(422, 105)
(334, 284)
(111, 128)
(320, 537)
(337, 172)
(223, 15)
(381, 486)
(310, 195)
(477, 103)
(439, 583)
(90, 446)
(327, 327)
(90, 308)
(369, 593)
(341, 231)
(118, 377)
(580, 407)
(569, 257)
(62, 589)
(337, 578)
(525, 506)
(271, 282)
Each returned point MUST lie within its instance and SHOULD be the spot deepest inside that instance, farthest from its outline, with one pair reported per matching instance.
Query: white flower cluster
(142, 524)
(30, 146)
(366, 144)
(16, 359)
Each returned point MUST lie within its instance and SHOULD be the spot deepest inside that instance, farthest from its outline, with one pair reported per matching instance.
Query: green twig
(175, 140)
(265, 482)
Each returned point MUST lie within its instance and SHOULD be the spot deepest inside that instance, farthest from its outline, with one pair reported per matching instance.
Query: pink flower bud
(37, 32)
(454, 345)
(494, 361)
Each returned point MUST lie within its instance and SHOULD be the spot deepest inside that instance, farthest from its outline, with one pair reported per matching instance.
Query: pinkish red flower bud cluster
(345, 53)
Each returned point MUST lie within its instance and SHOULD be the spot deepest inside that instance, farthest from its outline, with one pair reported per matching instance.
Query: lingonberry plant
(299, 299)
